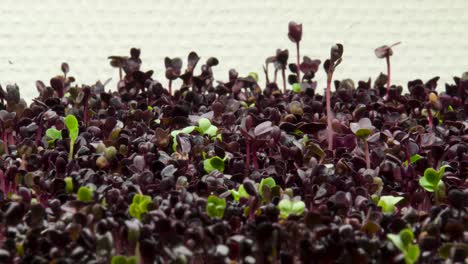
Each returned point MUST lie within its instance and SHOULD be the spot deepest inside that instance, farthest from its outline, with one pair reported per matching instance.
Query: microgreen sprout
(388, 202)
(124, 260)
(363, 129)
(213, 163)
(139, 205)
(432, 182)
(240, 193)
(72, 125)
(404, 242)
(385, 52)
(289, 207)
(215, 206)
(85, 194)
(330, 65)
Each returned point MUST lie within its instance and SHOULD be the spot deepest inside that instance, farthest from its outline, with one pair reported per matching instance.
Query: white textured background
(36, 36)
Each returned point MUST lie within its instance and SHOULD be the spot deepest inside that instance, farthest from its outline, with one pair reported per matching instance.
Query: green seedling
(124, 260)
(72, 125)
(240, 193)
(54, 134)
(289, 207)
(404, 242)
(204, 127)
(69, 184)
(296, 88)
(266, 183)
(413, 159)
(215, 207)
(85, 194)
(254, 76)
(214, 163)
(432, 182)
(139, 205)
(388, 202)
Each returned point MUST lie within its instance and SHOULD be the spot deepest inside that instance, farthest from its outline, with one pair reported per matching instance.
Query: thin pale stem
(366, 152)
(72, 146)
(329, 112)
(247, 152)
(170, 87)
(283, 73)
(120, 73)
(388, 77)
(298, 63)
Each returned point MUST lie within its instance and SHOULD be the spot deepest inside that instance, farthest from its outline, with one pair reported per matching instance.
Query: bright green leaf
(132, 260)
(413, 159)
(396, 240)
(363, 133)
(69, 184)
(215, 206)
(296, 87)
(298, 208)
(188, 130)
(54, 133)
(240, 193)
(204, 124)
(139, 205)
(134, 210)
(426, 185)
(289, 207)
(412, 254)
(442, 171)
(213, 163)
(211, 131)
(85, 194)
(406, 236)
(388, 202)
(254, 76)
(431, 176)
(72, 125)
(268, 182)
(119, 260)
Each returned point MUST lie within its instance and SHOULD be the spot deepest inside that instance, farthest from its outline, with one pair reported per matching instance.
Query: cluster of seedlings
(234, 171)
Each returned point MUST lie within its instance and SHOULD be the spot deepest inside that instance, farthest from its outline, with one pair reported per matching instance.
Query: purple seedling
(295, 35)
(336, 54)
(385, 52)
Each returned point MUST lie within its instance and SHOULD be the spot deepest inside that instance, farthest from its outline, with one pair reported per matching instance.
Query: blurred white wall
(37, 36)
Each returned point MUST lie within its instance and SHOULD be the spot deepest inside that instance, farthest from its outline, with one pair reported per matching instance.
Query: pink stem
(388, 77)
(366, 150)
(283, 73)
(247, 152)
(5, 141)
(254, 153)
(298, 63)
(329, 112)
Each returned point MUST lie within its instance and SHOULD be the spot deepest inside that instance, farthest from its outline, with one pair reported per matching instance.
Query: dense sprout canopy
(233, 170)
